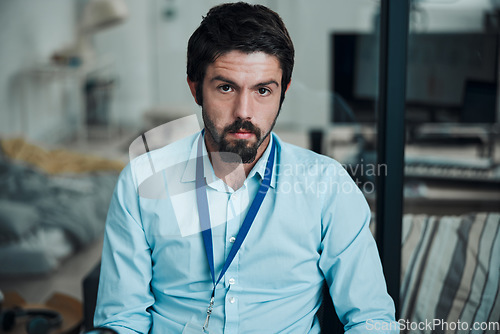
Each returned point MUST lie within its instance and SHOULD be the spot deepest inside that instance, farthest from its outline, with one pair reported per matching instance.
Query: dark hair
(242, 27)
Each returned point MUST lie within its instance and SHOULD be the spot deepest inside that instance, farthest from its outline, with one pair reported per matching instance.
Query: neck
(232, 173)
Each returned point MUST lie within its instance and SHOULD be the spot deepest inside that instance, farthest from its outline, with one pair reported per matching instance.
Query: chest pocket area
(181, 262)
(177, 260)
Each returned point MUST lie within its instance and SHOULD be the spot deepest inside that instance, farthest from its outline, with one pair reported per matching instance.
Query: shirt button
(232, 239)
(232, 281)
(232, 300)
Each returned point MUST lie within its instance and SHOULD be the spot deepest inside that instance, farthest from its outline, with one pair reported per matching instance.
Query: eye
(264, 91)
(225, 88)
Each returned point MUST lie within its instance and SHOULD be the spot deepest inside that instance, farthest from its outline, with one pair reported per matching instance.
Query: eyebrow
(261, 84)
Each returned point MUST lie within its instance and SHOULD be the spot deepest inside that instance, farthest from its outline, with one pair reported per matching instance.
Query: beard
(239, 150)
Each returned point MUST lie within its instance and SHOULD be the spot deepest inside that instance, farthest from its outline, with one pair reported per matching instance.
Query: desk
(422, 195)
(450, 200)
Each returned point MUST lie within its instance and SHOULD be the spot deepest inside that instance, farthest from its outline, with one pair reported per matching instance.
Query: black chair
(90, 286)
(328, 319)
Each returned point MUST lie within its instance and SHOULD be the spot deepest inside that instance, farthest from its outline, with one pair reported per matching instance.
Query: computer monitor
(452, 77)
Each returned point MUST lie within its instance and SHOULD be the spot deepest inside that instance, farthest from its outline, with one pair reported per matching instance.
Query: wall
(130, 47)
(149, 54)
(29, 32)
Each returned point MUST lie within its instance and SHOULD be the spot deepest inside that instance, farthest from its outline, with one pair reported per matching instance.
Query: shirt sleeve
(124, 294)
(351, 264)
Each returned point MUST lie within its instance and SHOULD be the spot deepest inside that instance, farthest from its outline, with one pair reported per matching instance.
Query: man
(247, 228)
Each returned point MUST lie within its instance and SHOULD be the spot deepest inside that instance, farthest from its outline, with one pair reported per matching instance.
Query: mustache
(242, 125)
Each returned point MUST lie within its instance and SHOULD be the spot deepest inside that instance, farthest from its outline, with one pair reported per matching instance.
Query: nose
(243, 107)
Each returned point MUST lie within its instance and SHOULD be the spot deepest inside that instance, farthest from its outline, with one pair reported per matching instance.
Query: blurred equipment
(481, 135)
(97, 15)
(40, 321)
(61, 314)
(474, 171)
(98, 96)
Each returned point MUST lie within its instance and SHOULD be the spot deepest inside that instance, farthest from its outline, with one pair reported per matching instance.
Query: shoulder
(315, 175)
(149, 163)
(290, 154)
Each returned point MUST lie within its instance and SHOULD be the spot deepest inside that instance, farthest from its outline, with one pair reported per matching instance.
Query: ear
(288, 86)
(192, 86)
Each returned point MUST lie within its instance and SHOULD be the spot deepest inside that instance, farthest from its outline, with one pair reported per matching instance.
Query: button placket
(232, 228)
(232, 313)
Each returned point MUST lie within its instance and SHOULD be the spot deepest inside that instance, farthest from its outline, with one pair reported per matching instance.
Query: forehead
(249, 68)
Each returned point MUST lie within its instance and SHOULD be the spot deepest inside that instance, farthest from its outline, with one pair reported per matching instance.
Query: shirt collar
(189, 174)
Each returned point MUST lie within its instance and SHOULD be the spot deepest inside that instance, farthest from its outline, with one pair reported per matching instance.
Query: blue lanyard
(204, 215)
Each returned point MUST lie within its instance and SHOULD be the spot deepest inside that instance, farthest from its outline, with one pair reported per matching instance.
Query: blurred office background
(80, 80)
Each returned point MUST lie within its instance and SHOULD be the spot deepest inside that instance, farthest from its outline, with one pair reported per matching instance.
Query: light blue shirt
(312, 226)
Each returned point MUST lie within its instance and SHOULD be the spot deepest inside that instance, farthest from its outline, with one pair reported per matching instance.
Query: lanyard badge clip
(209, 313)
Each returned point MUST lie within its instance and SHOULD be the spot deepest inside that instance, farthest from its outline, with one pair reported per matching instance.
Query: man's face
(241, 97)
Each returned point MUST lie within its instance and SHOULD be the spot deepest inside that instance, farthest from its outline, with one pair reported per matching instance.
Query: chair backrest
(90, 286)
(328, 319)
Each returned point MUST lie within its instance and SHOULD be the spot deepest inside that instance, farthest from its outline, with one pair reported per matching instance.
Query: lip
(242, 134)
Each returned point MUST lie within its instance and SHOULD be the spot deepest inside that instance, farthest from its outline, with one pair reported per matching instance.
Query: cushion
(450, 269)
(16, 220)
